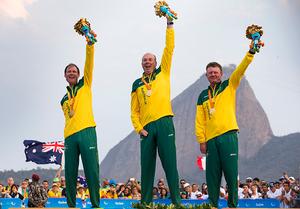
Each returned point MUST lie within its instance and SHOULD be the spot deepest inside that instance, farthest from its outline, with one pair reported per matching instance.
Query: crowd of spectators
(285, 189)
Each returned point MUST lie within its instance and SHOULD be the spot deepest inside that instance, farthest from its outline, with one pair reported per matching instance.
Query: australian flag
(44, 152)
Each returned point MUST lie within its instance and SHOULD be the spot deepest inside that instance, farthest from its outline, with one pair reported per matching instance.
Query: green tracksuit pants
(222, 156)
(83, 142)
(161, 137)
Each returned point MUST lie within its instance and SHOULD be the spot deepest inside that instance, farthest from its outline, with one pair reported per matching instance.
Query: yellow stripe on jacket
(83, 117)
(209, 125)
(145, 109)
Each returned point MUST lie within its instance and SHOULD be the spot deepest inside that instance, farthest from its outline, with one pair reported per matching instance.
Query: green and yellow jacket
(83, 113)
(212, 124)
(146, 109)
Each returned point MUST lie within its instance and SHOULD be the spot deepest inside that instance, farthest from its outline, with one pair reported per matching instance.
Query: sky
(37, 41)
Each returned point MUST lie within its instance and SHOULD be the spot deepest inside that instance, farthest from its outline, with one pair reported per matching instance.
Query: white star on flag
(52, 158)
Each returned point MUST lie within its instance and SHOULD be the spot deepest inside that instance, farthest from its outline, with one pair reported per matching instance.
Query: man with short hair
(10, 182)
(285, 197)
(151, 116)
(216, 129)
(23, 189)
(182, 182)
(273, 192)
(80, 133)
(195, 192)
(264, 190)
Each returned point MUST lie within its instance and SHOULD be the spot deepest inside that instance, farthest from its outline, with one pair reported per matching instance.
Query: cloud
(15, 8)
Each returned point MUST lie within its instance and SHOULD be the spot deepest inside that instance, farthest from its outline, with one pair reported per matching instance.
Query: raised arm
(166, 59)
(89, 65)
(239, 72)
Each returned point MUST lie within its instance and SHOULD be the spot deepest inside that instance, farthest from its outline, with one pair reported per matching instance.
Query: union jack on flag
(54, 146)
(44, 152)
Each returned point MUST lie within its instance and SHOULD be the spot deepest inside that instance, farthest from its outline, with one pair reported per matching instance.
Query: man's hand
(203, 148)
(143, 132)
(169, 23)
(93, 32)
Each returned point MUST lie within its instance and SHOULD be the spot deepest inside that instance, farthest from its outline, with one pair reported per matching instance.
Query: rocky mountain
(258, 147)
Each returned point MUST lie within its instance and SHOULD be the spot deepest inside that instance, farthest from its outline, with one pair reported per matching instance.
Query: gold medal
(148, 93)
(212, 99)
(71, 99)
(148, 85)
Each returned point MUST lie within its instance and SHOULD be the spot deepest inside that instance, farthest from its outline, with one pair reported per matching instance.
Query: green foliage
(171, 206)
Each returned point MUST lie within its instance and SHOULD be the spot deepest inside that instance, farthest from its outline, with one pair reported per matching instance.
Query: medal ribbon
(212, 97)
(71, 98)
(148, 85)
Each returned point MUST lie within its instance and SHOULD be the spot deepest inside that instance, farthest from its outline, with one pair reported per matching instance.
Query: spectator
(155, 193)
(14, 192)
(120, 191)
(273, 192)
(285, 197)
(160, 185)
(188, 190)
(282, 179)
(264, 191)
(127, 193)
(135, 183)
(278, 187)
(54, 192)
(258, 183)
(254, 193)
(200, 196)
(240, 189)
(292, 180)
(163, 193)
(37, 195)
(63, 186)
(204, 191)
(294, 191)
(183, 195)
(81, 192)
(249, 181)
(118, 187)
(195, 192)
(46, 185)
(222, 193)
(245, 194)
(10, 182)
(182, 182)
(135, 193)
(111, 193)
(56, 181)
(105, 183)
(2, 190)
(23, 189)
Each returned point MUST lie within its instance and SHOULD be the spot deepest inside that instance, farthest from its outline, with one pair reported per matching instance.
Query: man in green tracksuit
(151, 115)
(216, 129)
(80, 134)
